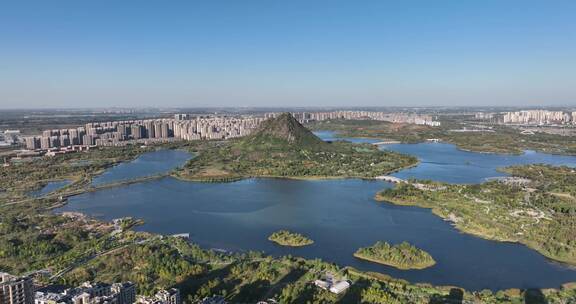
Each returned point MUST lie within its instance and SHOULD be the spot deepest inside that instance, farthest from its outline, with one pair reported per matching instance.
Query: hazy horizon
(181, 54)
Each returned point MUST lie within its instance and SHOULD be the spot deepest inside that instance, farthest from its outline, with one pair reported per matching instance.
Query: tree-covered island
(401, 256)
(288, 238)
(282, 147)
(535, 206)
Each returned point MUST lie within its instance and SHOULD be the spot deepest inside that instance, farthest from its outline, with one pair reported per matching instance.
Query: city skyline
(256, 54)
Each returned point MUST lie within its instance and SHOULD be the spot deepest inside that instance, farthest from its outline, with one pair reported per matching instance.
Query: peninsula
(535, 206)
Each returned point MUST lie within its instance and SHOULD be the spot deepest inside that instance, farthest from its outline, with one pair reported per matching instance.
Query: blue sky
(287, 53)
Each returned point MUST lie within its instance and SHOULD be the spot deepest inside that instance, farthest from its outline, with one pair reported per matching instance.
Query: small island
(287, 238)
(401, 256)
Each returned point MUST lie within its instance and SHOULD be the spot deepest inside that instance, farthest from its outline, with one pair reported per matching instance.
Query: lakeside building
(16, 290)
(169, 296)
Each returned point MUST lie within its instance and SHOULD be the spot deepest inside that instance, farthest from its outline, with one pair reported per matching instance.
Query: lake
(147, 164)
(446, 163)
(339, 215)
(49, 187)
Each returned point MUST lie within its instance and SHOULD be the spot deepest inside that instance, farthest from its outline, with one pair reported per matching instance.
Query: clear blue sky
(287, 53)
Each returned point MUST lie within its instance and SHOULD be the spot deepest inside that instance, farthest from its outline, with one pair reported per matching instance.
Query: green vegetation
(74, 248)
(283, 148)
(251, 277)
(287, 238)
(499, 139)
(401, 256)
(33, 238)
(536, 207)
(22, 177)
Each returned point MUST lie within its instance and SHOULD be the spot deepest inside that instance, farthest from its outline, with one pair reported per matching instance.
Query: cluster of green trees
(43, 240)
(32, 238)
(288, 238)
(402, 256)
(284, 148)
(235, 159)
(19, 178)
(539, 214)
(251, 277)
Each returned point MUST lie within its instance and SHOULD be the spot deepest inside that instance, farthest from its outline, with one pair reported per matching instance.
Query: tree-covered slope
(282, 147)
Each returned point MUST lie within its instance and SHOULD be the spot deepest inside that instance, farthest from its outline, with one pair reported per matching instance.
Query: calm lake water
(49, 187)
(145, 165)
(339, 215)
(445, 162)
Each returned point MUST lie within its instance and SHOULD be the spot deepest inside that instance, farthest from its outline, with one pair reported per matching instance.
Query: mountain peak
(286, 128)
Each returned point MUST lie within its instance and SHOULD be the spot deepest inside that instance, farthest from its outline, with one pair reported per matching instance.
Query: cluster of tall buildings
(185, 127)
(539, 117)
(20, 290)
(114, 133)
(410, 118)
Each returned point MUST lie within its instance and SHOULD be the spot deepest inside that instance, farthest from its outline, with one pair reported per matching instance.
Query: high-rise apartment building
(15, 290)
(32, 143)
(136, 132)
(125, 292)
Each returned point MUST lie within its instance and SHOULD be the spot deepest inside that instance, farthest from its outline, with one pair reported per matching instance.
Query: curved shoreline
(351, 177)
(378, 197)
(235, 178)
(459, 147)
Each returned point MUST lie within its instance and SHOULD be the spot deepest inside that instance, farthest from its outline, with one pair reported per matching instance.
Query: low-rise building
(91, 293)
(339, 287)
(169, 296)
(333, 285)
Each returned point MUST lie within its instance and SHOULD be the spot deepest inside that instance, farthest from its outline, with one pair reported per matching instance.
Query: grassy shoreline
(477, 228)
(378, 261)
(235, 178)
(151, 262)
(398, 202)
